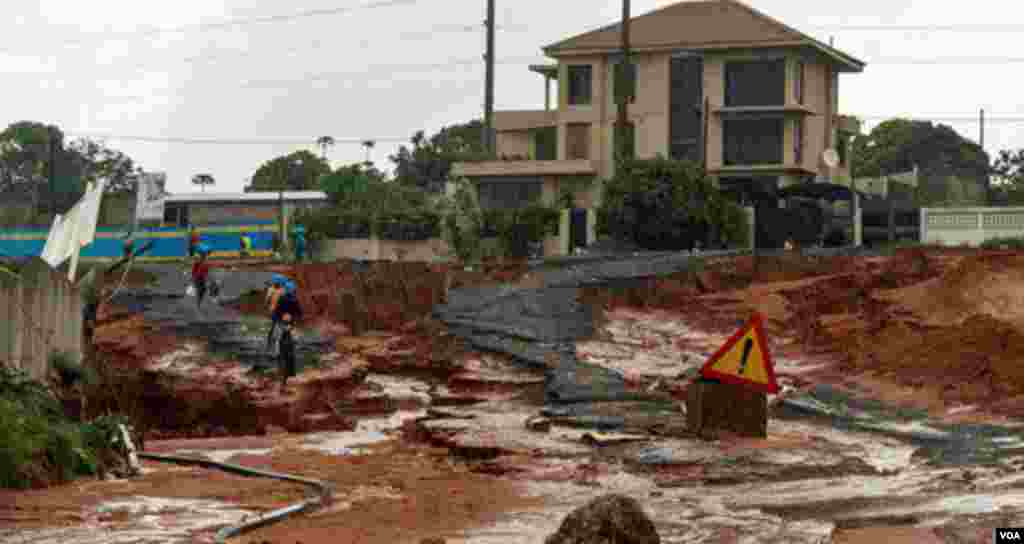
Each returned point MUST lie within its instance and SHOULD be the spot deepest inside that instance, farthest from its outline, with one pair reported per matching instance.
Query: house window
(798, 82)
(624, 80)
(798, 141)
(755, 83)
(545, 141)
(509, 193)
(580, 84)
(578, 145)
(686, 94)
(752, 141)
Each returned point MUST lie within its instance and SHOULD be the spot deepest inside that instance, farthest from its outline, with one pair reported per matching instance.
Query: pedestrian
(300, 243)
(286, 355)
(246, 247)
(193, 241)
(200, 273)
(128, 246)
(274, 293)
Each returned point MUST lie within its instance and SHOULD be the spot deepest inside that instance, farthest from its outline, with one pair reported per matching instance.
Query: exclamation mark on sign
(748, 344)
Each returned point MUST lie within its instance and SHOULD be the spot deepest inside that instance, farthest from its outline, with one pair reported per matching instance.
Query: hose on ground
(324, 492)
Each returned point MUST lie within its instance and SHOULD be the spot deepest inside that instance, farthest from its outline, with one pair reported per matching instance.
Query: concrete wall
(971, 226)
(375, 249)
(40, 314)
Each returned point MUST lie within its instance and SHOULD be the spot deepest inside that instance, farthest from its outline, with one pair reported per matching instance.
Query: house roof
(700, 24)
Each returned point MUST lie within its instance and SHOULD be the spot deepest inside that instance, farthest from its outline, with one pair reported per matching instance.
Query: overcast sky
(91, 68)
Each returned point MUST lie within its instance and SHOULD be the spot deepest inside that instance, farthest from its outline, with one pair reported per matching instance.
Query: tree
(354, 178)
(298, 171)
(1009, 172)
(897, 145)
(325, 142)
(663, 204)
(428, 163)
(101, 162)
(202, 180)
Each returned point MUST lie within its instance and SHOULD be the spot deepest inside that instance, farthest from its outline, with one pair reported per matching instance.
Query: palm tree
(202, 180)
(368, 144)
(325, 142)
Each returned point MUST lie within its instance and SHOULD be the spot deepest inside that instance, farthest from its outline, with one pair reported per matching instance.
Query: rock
(609, 519)
(538, 424)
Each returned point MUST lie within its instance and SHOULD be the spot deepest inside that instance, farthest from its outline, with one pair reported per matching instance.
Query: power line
(921, 28)
(225, 141)
(246, 21)
(393, 68)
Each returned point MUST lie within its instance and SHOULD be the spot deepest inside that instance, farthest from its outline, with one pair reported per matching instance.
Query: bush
(1008, 242)
(38, 444)
(519, 229)
(660, 204)
(463, 221)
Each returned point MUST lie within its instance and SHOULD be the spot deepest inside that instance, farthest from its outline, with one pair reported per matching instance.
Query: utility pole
(488, 140)
(51, 171)
(624, 83)
(981, 138)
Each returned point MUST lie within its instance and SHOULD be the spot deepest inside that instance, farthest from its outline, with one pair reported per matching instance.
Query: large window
(509, 193)
(580, 84)
(755, 83)
(798, 140)
(686, 95)
(798, 83)
(752, 141)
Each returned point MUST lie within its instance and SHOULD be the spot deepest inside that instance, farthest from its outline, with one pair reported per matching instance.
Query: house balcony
(524, 168)
(520, 120)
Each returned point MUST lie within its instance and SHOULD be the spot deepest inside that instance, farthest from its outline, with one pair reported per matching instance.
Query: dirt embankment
(951, 320)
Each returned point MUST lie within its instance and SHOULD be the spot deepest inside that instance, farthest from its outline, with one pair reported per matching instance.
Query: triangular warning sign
(744, 360)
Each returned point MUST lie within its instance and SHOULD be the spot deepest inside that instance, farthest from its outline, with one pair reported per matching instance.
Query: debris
(607, 439)
(609, 519)
(539, 424)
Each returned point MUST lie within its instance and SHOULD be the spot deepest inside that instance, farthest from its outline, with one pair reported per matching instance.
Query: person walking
(300, 243)
(286, 351)
(193, 241)
(200, 273)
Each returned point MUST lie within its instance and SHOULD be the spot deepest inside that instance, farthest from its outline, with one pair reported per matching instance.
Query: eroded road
(521, 415)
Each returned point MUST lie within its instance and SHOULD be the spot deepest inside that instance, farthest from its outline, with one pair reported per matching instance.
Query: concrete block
(712, 406)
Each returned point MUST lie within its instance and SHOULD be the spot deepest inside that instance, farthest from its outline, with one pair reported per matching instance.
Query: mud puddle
(139, 520)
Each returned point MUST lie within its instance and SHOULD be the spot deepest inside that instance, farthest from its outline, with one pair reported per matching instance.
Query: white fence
(971, 226)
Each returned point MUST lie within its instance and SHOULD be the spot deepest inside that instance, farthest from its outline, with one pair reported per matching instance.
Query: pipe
(324, 492)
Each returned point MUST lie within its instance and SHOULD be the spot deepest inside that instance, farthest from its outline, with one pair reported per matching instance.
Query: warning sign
(744, 360)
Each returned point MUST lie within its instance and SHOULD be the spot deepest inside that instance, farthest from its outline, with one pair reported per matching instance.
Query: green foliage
(662, 204)
(897, 145)
(298, 171)
(518, 229)
(427, 164)
(70, 370)
(346, 181)
(1009, 171)
(463, 221)
(1006, 242)
(37, 442)
(379, 208)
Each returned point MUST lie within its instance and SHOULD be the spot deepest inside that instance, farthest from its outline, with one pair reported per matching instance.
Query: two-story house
(715, 81)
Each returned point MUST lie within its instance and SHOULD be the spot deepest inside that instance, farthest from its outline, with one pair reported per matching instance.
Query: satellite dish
(830, 157)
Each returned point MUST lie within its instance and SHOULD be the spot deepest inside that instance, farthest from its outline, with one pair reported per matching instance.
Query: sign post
(732, 392)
